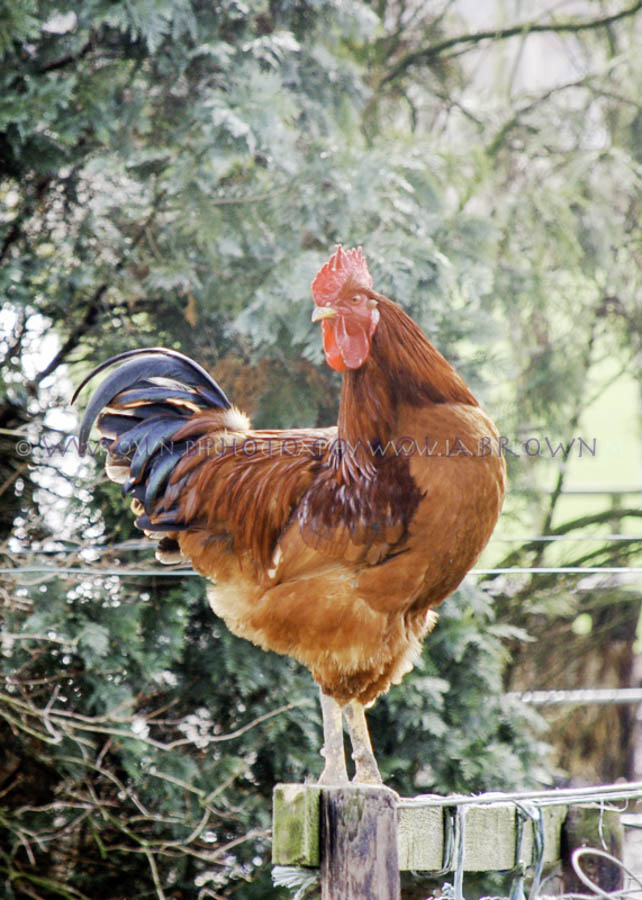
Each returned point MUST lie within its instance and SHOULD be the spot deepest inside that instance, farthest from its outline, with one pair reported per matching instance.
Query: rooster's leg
(334, 771)
(366, 765)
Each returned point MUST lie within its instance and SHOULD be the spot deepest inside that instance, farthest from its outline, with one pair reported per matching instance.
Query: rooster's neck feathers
(403, 369)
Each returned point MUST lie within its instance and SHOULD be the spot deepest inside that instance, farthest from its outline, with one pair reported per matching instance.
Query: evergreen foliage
(174, 173)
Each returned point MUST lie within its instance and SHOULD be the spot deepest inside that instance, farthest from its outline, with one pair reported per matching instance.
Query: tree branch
(16, 227)
(421, 57)
(65, 61)
(81, 329)
(93, 308)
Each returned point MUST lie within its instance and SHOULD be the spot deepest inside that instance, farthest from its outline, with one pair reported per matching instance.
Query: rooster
(331, 545)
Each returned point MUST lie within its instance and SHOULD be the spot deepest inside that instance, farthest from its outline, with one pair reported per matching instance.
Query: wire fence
(528, 807)
(154, 570)
(157, 572)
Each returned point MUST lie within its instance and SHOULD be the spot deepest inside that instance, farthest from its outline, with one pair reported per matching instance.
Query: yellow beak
(323, 312)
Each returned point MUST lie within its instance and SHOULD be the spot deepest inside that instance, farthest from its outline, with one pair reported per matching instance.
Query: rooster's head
(346, 306)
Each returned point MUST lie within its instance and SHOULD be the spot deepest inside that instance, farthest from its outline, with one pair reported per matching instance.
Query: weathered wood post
(361, 836)
(359, 857)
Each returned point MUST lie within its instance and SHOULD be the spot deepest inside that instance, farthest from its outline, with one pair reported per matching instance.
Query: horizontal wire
(143, 543)
(140, 572)
(579, 696)
(557, 570)
(567, 537)
(544, 797)
(97, 571)
(134, 544)
(579, 492)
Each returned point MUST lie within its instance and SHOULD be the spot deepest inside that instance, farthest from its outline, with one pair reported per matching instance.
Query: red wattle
(353, 342)
(332, 354)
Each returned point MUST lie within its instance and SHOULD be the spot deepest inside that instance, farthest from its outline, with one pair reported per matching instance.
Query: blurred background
(173, 173)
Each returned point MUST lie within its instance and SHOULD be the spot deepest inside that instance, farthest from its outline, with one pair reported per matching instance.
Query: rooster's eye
(356, 298)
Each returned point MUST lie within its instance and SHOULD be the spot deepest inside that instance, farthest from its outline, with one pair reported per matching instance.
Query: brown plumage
(330, 545)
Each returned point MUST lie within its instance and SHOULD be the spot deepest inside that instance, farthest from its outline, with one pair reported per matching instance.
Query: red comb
(342, 266)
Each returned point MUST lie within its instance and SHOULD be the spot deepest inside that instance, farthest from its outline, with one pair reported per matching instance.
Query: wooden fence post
(421, 827)
(359, 857)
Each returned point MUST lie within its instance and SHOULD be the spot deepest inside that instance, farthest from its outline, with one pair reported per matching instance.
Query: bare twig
(154, 870)
(93, 308)
(425, 55)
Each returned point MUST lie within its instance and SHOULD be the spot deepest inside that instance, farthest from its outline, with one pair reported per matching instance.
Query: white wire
(593, 851)
(542, 538)
(97, 572)
(583, 696)
(551, 797)
(143, 543)
(159, 572)
(557, 570)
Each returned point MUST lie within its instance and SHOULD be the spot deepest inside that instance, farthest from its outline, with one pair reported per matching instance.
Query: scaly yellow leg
(367, 770)
(334, 771)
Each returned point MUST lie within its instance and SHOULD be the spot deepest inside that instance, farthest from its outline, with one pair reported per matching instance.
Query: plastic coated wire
(524, 813)
(579, 696)
(143, 543)
(528, 813)
(554, 538)
(450, 843)
(455, 891)
(458, 880)
(557, 570)
(98, 572)
(552, 797)
(538, 852)
(174, 573)
(592, 851)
